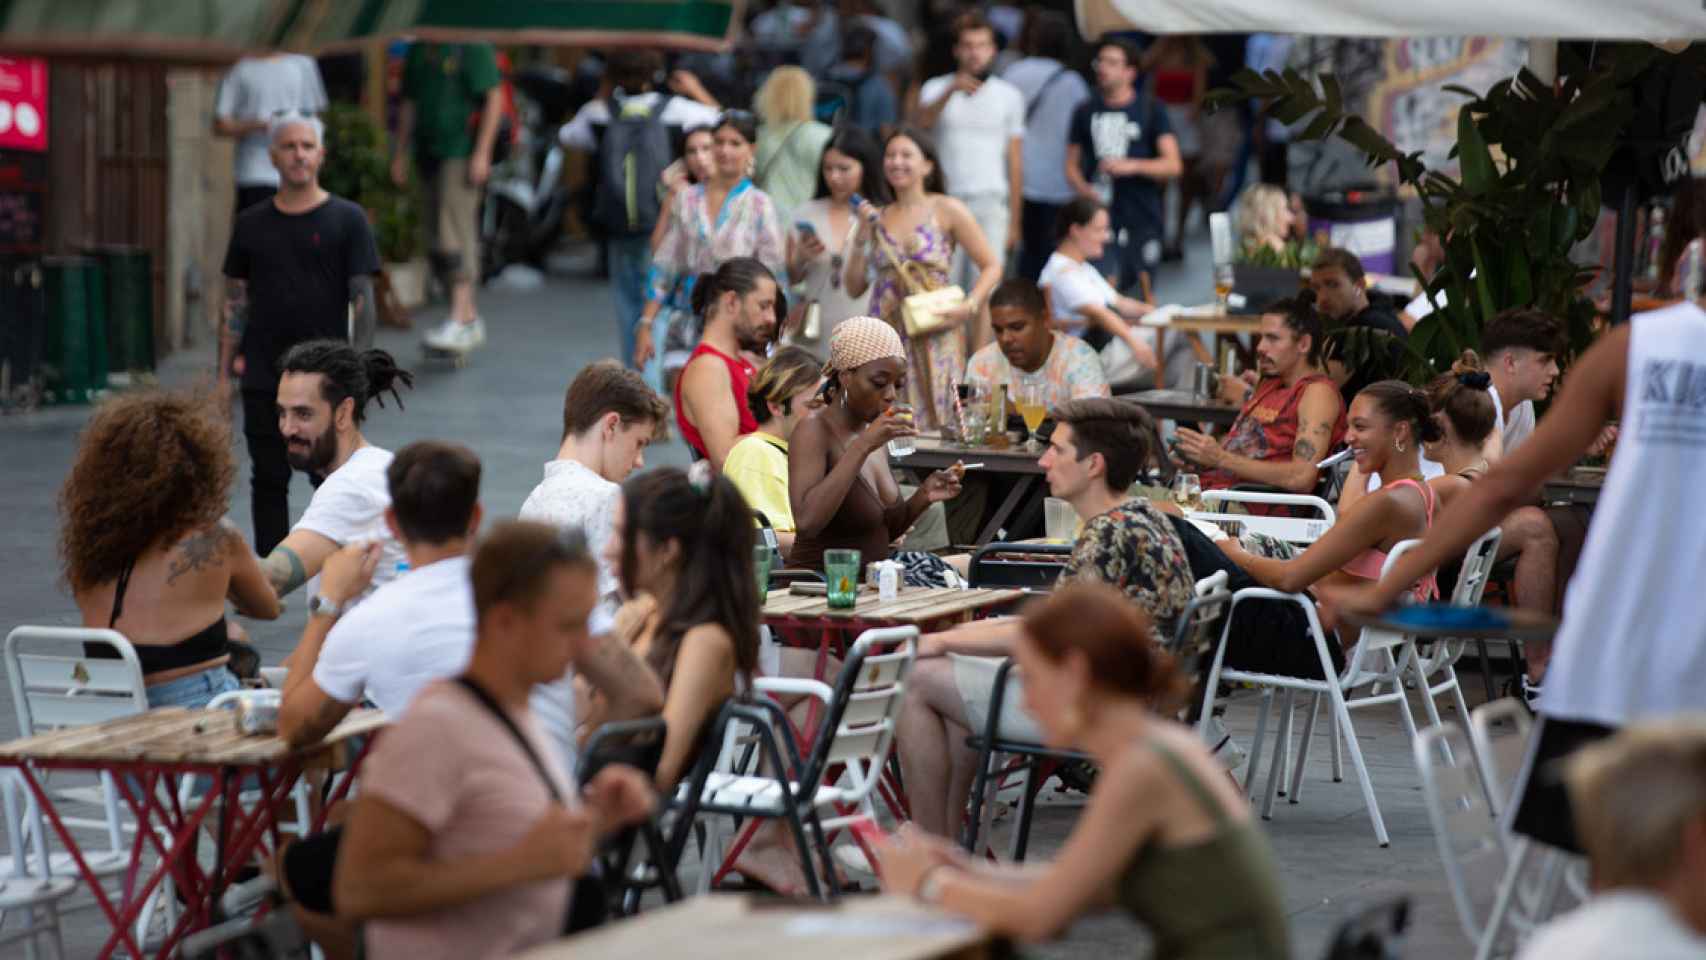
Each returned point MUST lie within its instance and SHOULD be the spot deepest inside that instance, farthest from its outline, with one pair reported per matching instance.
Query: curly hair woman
(145, 549)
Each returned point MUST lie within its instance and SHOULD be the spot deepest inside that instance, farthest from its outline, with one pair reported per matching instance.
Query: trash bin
(23, 321)
(128, 307)
(1361, 219)
(66, 364)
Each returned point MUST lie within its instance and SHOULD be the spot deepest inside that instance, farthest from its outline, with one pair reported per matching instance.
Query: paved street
(506, 405)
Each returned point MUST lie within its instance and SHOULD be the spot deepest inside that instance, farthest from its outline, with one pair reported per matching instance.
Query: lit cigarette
(970, 466)
(1335, 459)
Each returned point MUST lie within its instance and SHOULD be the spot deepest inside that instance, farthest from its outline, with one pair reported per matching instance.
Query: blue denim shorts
(194, 691)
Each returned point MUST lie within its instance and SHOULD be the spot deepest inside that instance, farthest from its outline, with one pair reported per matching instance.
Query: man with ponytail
(323, 390)
(738, 304)
(1292, 417)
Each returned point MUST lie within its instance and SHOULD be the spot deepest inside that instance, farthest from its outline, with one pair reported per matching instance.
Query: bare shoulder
(950, 209)
(709, 640)
(202, 550)
(705, 371)
(1322, 393)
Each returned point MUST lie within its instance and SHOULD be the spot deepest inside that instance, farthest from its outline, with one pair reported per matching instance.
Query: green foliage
(1295, 256)
(358, 168)
(1530, 156)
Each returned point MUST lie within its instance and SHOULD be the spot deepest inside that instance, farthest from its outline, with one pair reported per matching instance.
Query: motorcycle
(525, 198)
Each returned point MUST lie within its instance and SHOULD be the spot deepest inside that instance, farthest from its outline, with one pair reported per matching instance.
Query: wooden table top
(934, 453)
(914, 605)
(732, 927)
(178, 735)
(1203, 319)
(1182, 405)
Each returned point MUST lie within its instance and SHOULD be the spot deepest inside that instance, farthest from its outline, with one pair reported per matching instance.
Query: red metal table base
(149, 789)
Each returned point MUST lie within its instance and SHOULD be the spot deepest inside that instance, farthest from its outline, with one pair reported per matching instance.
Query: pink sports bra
(1368, 563)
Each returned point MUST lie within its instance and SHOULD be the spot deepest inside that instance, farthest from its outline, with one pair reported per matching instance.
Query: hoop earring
(1398, 446)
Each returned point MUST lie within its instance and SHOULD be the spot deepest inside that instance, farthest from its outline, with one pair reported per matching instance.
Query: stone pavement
(506, 404)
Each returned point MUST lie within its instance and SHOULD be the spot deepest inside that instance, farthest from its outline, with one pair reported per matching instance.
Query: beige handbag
(925, 311)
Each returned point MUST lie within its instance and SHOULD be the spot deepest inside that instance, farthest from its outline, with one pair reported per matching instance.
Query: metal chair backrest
(1477, 568)
(56, 684)
(1374, 639)
(1464, 827)
(1500, 731)
(859, 726)
(1033, 566)
(1292, 529)
(1198, 630)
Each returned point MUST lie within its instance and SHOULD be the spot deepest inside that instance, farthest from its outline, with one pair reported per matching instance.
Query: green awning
(223, 30)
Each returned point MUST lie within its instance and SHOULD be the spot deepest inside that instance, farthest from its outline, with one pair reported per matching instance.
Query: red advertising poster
(23, 104)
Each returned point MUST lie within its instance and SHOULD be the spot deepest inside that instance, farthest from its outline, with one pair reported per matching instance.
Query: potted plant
(1531, 155)
(358, 168)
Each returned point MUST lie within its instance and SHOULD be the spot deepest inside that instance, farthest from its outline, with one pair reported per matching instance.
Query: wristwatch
(321, 605)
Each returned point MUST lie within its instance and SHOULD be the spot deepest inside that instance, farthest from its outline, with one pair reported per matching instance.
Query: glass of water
(902, 446)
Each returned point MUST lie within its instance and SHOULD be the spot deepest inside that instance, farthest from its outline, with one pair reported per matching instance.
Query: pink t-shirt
(450, 765)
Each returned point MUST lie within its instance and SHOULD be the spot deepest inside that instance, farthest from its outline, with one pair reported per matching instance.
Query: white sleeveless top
(1633, 641)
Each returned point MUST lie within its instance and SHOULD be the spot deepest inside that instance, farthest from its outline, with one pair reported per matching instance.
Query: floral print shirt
(698, 239)
(1135, 548)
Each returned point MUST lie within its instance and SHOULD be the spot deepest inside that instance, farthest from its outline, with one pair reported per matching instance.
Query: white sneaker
(454, 337)
(1225, 749)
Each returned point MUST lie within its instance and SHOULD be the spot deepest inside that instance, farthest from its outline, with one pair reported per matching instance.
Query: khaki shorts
(451, 217)
(975, 676)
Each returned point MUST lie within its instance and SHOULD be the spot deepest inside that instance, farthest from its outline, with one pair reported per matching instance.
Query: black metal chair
(639, 744)
(1192, 646)
(1029, 566)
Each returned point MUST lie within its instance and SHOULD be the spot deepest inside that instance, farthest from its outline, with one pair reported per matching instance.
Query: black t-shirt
(1380, 365)
(298, 267)
(1133, 130)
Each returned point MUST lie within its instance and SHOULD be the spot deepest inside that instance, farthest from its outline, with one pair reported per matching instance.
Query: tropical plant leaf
(1476, 161)
(1333, 93)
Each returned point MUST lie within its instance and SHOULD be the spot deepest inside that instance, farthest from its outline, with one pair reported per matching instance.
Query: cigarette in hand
(971, 466)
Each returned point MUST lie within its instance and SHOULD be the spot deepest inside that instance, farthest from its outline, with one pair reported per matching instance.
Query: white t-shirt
(580, 133)
(1051, 93)
(1622, 924)
(350, 507)
(1633, 640)
(1514, 429)
(258, 88)
(973, 132)
(574, 495)
(416, 629)
(1072, 286)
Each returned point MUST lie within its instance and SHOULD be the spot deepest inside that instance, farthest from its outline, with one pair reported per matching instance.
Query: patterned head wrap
(859, 340)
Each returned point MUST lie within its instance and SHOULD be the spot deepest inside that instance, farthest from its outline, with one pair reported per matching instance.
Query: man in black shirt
(1121, 153)
(1342, 296)
(299, 268)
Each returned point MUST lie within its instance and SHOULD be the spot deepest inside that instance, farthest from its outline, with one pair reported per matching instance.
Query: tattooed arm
(298, 558)
(231, 331)
(362, 306)
(1316, 414)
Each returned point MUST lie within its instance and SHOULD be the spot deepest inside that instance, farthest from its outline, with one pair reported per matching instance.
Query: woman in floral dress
(719, 219)
(923, 226)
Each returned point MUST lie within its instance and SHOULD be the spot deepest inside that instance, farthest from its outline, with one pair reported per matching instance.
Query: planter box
(409, 282)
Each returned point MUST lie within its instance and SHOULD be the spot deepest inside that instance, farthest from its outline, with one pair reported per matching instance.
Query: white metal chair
(1377, 658)
(28, 882)
(55, 684)
(1471, 850)
(1298, 530)
(1442, 658)
(1499, 731)
(828, 790)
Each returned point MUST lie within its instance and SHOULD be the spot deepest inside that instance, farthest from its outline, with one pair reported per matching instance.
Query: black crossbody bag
(588, 904)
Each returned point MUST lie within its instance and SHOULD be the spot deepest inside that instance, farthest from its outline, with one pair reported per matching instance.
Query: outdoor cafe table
(146, 753)
(1183, 406)
(1203, 319)
(1575, 487)
(733, 927)
(932, 453)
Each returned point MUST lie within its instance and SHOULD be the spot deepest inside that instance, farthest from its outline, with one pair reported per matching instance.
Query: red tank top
(740, 375)
(1266, 429)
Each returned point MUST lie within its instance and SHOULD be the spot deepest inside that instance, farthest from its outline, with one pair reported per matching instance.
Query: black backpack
(631, 159)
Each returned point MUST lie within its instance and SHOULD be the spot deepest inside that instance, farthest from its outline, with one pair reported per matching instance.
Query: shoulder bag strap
(1037, 101)
(899, 262)
(496, 711)
(770, 163)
